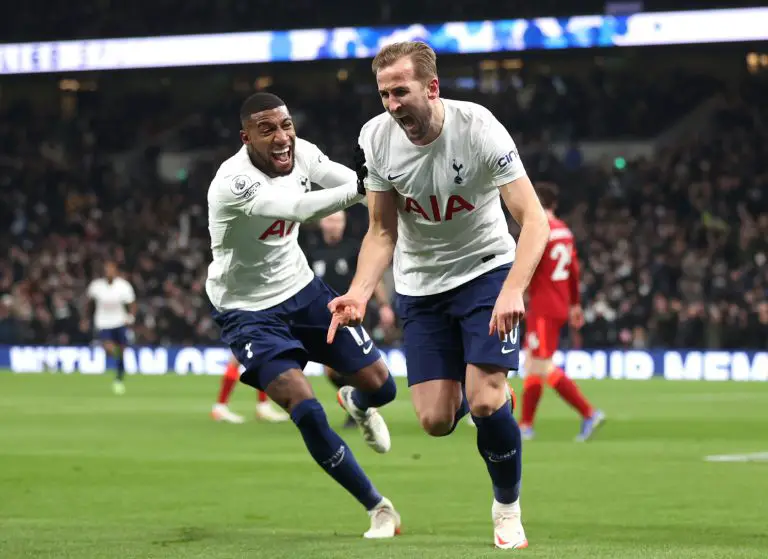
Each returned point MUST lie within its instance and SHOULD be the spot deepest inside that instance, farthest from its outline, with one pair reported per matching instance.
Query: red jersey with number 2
(554, 287)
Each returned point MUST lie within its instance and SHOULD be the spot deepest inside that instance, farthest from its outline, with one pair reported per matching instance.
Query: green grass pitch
(86, 474)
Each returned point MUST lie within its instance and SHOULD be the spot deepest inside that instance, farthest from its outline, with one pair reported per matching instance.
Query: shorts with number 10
(444, 332)
(287, 336)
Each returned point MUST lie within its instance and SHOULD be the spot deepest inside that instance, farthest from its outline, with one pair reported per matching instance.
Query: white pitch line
(751, 457)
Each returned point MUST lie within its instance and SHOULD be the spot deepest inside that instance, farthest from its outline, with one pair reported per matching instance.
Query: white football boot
(266, 412)
(508, 530)
(385, 521)
(371, 423)
(220, 412)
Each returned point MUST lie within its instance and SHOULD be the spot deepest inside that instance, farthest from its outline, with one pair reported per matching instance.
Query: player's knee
(436, 424)
(290, 389)
(485, 403)
(373, 376)
(554, 377)
(376, 378)
(486, 392)
(482, 409)
(539, 366)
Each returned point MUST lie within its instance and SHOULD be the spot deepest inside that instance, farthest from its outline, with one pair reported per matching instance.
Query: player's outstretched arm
(524, 205)
(375, 256)
(297, 206)
(330, 174)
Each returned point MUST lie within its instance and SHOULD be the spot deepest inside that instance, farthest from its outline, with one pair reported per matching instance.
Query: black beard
(265, 166)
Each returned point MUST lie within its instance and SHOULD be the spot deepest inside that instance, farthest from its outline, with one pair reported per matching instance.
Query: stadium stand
(674, 244)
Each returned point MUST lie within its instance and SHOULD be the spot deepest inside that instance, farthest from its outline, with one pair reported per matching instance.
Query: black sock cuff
(308, 406)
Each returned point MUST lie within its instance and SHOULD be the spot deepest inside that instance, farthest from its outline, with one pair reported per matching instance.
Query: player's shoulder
(304, 147)
(376, 139)
(469, 113)
(469, 122)
(559, 230)
(235, 177)
(122, 282)
(381, 123)
(308, 154)
(98, 288)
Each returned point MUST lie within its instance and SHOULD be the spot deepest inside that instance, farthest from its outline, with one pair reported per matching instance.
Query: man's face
(110, 270)
(406, 98)
(270, 139)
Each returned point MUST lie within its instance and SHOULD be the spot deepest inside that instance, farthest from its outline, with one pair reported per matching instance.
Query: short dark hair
(548, 194)
(261, 101)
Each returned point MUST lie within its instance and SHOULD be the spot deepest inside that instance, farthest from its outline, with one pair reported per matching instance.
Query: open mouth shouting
(408, 123)
(282, 158)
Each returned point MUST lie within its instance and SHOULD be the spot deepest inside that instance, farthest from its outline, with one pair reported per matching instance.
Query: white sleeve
(130, 294)
(91, 290)
(374, 181)
(254, 200)
(499, 152)
(323, 171)
(332, 174)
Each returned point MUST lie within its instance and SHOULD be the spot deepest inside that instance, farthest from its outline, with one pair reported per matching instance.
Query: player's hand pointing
(347, 310)
(507, 313)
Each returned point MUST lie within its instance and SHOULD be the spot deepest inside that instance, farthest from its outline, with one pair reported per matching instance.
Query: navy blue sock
(119, 368)
(384, 395)
(499, 443)
(331, 454)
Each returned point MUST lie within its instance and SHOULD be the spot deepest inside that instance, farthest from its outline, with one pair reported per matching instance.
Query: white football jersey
(451, 226)
(257, 262)
(111, 299)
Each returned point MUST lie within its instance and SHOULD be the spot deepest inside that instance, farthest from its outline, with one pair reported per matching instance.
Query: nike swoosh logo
(393, 177)
(368, 349)
(518, 545)
(506, 350)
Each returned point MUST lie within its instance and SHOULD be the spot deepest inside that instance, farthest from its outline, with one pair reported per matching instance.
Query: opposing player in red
(221, 411)
(554, 300)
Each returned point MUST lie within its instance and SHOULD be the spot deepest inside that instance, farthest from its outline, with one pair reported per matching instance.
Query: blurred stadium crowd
(674, 247)
(111, 18)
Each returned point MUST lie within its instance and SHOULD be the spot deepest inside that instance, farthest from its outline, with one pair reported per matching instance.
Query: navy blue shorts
(442, 333)
(287, 336)
(120, 336)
